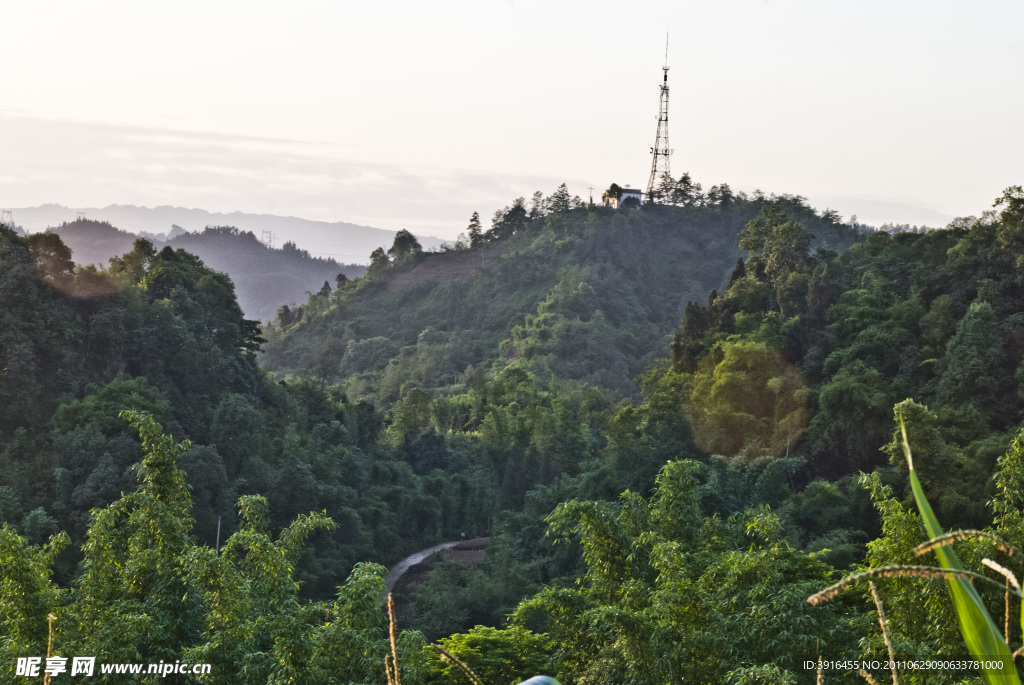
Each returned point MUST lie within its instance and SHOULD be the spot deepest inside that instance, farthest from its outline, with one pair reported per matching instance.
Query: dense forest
(675, 424)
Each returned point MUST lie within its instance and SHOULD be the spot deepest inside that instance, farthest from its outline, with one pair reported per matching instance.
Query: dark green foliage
(146, 592)
(264, 277)
(642, 439)
(668, 594)
(454, 597)
(968, 373)
(405, 247)
(27, 595)
(582, 293)
(480, 389)
(682, 193)
(509, 221)
(161, 333)
(495, 656)
(52, 258)
(921, 614)
(475, 230)
(932, 315)
(237, 428)
(559, 202)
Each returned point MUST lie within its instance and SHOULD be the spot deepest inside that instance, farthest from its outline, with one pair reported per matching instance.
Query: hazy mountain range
(265, 278)
(347, 243)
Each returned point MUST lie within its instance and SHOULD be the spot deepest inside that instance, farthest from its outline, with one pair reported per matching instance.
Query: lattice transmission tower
(661, 151)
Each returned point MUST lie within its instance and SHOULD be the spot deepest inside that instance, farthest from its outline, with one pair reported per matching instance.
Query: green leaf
(976, 625)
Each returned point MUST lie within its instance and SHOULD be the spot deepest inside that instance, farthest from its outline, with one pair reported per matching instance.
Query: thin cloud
(81, 163)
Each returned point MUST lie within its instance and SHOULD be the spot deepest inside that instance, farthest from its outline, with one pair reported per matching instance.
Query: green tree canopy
(404, 247)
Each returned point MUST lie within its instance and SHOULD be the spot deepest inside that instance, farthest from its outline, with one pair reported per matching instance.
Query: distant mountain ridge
(345, 242)
(264, 277)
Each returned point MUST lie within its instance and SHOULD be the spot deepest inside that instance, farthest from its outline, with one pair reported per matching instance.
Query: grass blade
(976, 625)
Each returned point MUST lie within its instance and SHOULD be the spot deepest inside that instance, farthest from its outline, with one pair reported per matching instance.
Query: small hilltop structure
(624, 196)
(618, 197)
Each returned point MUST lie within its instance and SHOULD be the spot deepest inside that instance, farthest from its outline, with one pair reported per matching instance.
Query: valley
(672, 425)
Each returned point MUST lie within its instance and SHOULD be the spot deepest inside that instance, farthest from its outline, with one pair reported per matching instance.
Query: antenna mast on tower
(661, 151)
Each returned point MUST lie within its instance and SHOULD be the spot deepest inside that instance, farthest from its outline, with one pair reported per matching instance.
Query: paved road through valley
(396, 571)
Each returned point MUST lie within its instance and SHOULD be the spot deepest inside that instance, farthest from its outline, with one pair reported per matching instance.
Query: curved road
(396, 571)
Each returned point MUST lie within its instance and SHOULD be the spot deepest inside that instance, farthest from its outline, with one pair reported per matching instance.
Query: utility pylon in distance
(661, 150)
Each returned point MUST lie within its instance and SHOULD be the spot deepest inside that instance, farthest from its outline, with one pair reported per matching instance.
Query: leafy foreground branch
(146, 593)
(980, 633)
(665, 594)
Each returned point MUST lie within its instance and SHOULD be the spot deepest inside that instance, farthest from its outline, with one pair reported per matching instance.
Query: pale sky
(415, 114)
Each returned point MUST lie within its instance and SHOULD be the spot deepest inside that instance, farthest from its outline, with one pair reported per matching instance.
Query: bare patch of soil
(449, 267)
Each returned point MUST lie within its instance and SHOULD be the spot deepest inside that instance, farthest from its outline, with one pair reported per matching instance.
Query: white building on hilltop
(624, 193)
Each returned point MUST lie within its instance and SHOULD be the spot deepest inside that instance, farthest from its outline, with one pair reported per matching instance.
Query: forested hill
(264, 277)
(160, 332)
(93, 242)
(806, 356)
(578, 292)
(695, 517)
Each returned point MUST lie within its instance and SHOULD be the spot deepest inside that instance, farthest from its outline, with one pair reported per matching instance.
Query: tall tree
(255, 625)
(537, 207)
(475, 230)
(779, 248)
(1011, 233)
(688, 192)
(560, 200)
(135, 600)
(509, 221)
(404, 247)
(971, 368)
(27, 596)
(665, 191)
(665, 592)
(379, 261)
(720, 196)
(52, 257)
